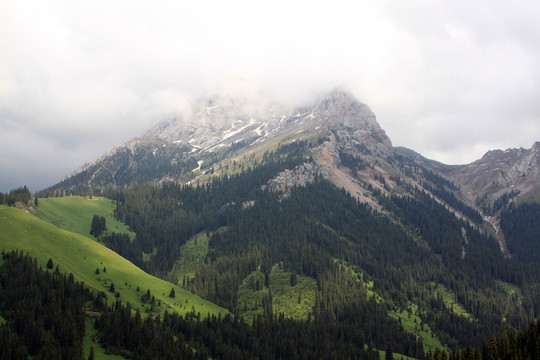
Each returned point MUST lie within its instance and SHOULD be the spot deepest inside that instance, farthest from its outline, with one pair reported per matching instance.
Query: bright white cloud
(450, 79)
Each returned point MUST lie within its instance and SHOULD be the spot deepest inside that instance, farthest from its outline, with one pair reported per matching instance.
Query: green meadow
(192, 255)
(90, 340)
(410, 320)
(74, 213)
(78, 254)
(295, 302)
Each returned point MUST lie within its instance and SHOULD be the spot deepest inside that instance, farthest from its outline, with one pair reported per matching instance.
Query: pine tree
(50, 264)
(292, 280)
(389, 355)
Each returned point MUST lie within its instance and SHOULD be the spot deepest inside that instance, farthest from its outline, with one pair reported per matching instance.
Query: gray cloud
(450, 79)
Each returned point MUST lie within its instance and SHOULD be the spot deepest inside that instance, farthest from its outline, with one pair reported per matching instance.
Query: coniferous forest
(369, 268)
(315, 228)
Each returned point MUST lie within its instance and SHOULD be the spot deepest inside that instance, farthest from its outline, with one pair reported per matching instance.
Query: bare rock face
(223, 121)
(300, 176)
(219, 127)
(352, 129)
(498, 172)
(354, 124)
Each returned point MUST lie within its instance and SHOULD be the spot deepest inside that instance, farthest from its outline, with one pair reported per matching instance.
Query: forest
(21, 194)
(440, 272)
(45, 318)
(424, 248)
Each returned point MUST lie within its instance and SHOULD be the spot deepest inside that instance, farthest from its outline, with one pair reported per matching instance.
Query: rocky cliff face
(224, 121)
(354, 124)
(499, 172)
(346, 146)
(224, 127)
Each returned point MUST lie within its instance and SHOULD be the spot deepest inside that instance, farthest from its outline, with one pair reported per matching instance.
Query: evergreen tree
(292, 280)
(389, 355)
(98, 226)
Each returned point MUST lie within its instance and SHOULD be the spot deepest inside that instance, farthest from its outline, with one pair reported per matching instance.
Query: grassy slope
(409, 318)
(450, 300)
(81, 256)
(411, 322)
(74, 213)
(296, 302)
(91, 340)
(192, 255)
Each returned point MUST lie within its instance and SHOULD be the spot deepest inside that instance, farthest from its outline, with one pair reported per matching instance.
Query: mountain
(311, 213)
(178, 150)
(492, 183)
(499, 172)
(496, 174)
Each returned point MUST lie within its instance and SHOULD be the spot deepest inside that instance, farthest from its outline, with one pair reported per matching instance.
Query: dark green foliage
(11, 345)
(172, 294)
(521, 226)
(438, 186)
(112, 288)
(21, 194)
(406, 256)
(388, 353)
(97, 271)
(153, 161)
(499, 203)
(352, 162)
(190, 337)
(98, 226)
(44, 311)
(122, 244)
(523, 345)
(165, 217)
(146, 296)
(50, 264)
(292, 281)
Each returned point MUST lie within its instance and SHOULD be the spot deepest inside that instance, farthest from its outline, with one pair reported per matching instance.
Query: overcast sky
(449, 79)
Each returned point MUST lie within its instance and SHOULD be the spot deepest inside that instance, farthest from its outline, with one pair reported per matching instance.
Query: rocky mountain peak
(220, 128)
(354, 124)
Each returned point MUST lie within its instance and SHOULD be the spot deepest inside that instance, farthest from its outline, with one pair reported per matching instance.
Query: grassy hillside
(192, 255)
(74, 213)
(296, 302)
(408, 318)
(77, 254)
(90, 340)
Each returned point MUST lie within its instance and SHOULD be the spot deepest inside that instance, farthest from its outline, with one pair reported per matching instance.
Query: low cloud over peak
(448, 79)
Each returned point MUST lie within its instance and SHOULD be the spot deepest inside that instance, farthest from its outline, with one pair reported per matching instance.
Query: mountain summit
(180, 149)
(343, 143)
(320, 192)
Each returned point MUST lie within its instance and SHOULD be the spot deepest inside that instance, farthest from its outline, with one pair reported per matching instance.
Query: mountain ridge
(347, 146)
(311, 190)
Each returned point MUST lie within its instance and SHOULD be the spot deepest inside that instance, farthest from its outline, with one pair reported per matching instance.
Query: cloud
(449, 79)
